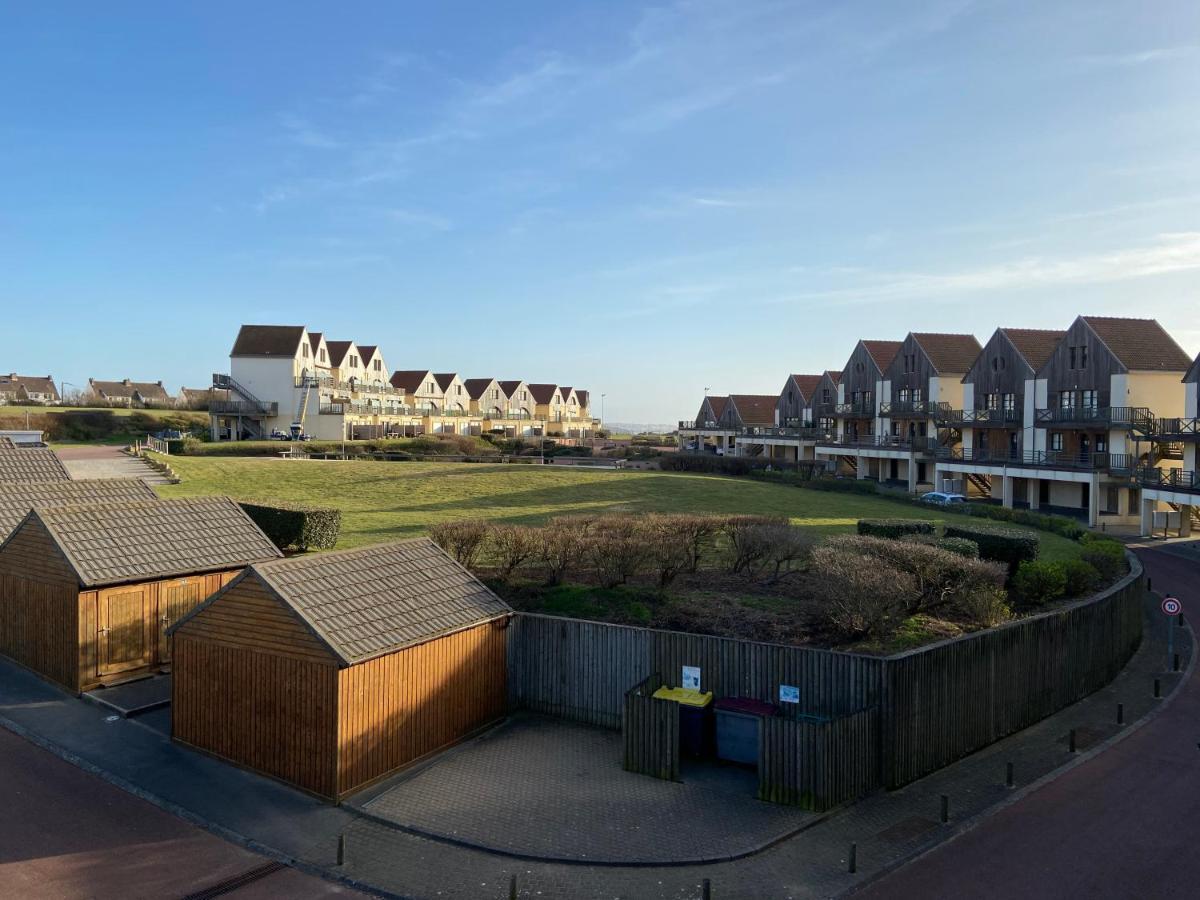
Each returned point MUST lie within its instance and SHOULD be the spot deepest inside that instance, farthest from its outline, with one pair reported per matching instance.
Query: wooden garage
(18, 498)
(86, 591)
(332, 670)
(19, 464)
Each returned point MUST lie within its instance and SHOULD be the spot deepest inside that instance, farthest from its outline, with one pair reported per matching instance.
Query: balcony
(1138, 418)
(883, 442)
(345, 387)
(352, 408)
(1095, 461)
(243, 408)
(806, 433)
(1178, 430)
(914, 408)
(1170, 479)
(850, 410)
(980, 418)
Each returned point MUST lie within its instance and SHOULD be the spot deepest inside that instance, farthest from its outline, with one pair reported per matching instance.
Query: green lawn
(382, 501)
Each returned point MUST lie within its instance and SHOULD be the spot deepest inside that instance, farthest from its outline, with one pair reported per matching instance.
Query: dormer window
(304, 350)
(323, 357)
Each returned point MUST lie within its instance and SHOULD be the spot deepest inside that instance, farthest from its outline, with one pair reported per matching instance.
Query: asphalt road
(1125, 824)
(65, 833)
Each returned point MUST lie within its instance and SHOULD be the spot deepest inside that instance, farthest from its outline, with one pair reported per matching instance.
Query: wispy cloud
(1138, 57)
(302, 132)
(420, 219)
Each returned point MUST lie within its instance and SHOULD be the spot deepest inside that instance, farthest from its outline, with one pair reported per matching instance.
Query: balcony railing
(1090, 460)
(913, 408)
(243, 408)
(852, 410)
(1178, 429)
(1171, 479)
(786, 431)
(1135, 417)
(883, 442)
(980, 418)
(358, 387)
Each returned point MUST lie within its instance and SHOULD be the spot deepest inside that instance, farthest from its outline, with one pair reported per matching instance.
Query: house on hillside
(134, 394)
(16, 388)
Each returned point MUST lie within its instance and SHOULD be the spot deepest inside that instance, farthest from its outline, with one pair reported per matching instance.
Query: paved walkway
(1125, 824)
(546, 788)
(65, 833)
(90, 461)
(888, 827)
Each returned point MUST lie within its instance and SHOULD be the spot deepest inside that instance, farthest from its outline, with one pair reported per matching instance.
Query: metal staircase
(982, 483)
(307, 383)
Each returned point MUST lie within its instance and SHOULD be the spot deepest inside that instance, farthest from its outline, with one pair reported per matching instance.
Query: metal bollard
(706, 889)
(1148, 583)
(512, 887)
(852, 860)
(1120, 713)
(341, 850)
(1175, 663)
(1008, 775)
(945, 809)
(1072, 741)
(1157, 689)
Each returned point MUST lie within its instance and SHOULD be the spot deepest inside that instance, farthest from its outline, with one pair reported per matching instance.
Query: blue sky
(644, 200)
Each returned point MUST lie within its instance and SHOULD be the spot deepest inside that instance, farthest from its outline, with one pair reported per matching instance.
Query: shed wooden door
(121, 625)
(176, 600)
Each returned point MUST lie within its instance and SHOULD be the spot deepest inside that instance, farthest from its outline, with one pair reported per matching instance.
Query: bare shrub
(780, 548)
(616, 548)
(698, 533)
(512, 546)
(463, 539)
(984, 605)
(862, 598)
(560, 548)
(670, 546)
(746, 545)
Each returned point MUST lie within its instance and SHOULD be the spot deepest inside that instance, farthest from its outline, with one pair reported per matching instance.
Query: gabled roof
(834, 376)
(949, 354)
(509, 387)
(881, 352)
(543, 393)
(476, 386)
(23, 464)
(755, 409)
(151, 390)
(444, 379)
(314, 341)
(1193, 372)
(409, 380)
(367, 353)
(38, 384)
(338, 351)
(807, 384)
(267, 340)
(370, 601)
(16, 500)
(1036, 345)
(717, 404)
(1141, 345)
(582, 396)
(116, 543)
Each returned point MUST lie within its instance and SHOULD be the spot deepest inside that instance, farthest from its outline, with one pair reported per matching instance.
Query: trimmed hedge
(893, 529)
(297, 527)
(1105, 555)
(961, 546)
(1038, 582)
(1009, 547)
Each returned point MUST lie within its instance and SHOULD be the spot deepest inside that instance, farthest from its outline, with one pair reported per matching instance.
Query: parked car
(941, 498)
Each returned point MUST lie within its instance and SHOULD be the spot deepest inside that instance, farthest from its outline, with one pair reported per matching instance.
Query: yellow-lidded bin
(695, 719)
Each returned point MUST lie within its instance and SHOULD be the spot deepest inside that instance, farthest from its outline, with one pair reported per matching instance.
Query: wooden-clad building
(18, 498)
(85, 591)
(19, 464)
(333, 670)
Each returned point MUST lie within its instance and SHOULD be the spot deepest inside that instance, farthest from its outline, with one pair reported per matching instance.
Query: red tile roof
(1142, 345)
(718, 404)
(950, 354)
(807, 384)
(1035, 344)
(755, 409)
(882, 352)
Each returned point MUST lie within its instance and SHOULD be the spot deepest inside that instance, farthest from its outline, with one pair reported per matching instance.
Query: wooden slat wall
(271, 713)
(650, 729)
(38, 606)
(580, 670)
(397, 708)
(819, 765)
(946, 701)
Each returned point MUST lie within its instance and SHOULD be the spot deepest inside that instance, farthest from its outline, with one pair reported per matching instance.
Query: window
(1066, 400)
(1088, 399)
(867, 398)
(1010, 402)
(1056, 441)
(304, 350)
(825, 395)
(916, 395)
(992, 401)
(378, 365)
(904, 395)
(995, 364)
(1078, 356)
(1071, 364)
(323, 359)
(353, 361)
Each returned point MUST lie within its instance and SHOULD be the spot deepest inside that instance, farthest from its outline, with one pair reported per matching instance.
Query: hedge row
(1009, 547)
(894, 528)
(297, 527)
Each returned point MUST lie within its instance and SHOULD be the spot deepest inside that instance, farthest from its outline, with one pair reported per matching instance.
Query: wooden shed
(86, 591)
(17, 498)
(333, 670)
(31, 464)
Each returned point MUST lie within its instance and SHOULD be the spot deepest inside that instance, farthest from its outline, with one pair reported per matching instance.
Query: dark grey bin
(738, 731)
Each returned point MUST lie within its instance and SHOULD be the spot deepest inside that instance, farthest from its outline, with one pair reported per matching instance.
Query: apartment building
(1170, 493)
(287, 379)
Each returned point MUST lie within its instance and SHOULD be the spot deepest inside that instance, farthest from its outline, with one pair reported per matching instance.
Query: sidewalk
(888, 828)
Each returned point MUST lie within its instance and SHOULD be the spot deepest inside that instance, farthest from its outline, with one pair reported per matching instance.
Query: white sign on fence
(789, 693)
(691, 678)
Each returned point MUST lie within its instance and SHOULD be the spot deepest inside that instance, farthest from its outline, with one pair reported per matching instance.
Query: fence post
(1071, 741)
(1008, 775)
(1120, 713)
(852, 862)
(945, 809)
(1157, 689)
(512, 887)
(341, 850)
(706, 889)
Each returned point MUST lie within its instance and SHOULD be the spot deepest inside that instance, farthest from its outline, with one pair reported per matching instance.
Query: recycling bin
(739, 727)
(695, 719)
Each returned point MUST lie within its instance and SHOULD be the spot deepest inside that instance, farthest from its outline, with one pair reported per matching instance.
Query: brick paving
(888, 827)
(553, 789)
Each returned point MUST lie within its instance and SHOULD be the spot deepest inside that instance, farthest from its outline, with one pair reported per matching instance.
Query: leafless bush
(616, 547)
(780, 548)
(512, 546)
(670, 546)
(746, 545)
(462, 539)
(862, 598)
(698, 533)
(560, 548)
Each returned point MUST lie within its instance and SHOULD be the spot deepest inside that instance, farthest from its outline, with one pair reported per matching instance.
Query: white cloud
(301, 131)
(419, 218)
(1137, 57)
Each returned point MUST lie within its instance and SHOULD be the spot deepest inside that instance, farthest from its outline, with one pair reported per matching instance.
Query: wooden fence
(818, 764)
(650, 730)
(947, 700)
(580, 670)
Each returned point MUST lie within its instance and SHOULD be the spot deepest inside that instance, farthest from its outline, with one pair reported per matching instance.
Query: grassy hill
(385, 501)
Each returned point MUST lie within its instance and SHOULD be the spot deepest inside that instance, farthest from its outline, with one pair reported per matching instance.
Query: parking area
(547, 789)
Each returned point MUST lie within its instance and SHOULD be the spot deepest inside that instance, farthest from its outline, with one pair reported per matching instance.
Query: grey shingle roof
(374, 600)
(267, 340)
(31, 464)
(1142, 345)
(16, 499)
(113, 543)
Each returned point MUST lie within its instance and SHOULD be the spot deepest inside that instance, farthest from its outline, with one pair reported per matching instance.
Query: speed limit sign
(1171, 606)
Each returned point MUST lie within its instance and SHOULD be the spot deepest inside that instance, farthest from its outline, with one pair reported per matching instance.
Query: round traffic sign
(1171, 606)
